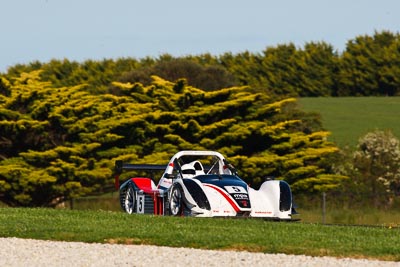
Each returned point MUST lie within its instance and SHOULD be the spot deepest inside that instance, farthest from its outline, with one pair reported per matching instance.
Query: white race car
(201, 184)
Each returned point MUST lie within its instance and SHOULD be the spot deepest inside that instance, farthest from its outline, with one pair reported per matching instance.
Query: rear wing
(120, 166)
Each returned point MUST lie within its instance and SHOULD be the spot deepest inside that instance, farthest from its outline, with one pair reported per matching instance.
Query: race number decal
(235, 189)
(140, 204)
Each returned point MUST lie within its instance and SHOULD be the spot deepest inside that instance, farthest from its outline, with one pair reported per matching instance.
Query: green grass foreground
(253, 235)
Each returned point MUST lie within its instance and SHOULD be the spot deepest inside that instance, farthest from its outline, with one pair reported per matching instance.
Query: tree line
(369, 66)
(64, 123)
(58, 143)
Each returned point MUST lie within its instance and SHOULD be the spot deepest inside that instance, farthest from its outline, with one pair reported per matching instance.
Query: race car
(201, 184)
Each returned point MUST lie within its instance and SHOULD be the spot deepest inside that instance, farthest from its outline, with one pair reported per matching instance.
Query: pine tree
(59, 143)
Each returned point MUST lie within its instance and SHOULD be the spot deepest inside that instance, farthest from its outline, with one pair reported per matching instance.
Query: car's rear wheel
(130, 200)
(176, 200)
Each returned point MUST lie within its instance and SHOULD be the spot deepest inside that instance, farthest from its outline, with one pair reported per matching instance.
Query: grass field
(223, 234)
(349, 118)
(334, 214)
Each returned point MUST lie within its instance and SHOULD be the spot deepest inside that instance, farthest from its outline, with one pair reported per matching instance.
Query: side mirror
(169, 176)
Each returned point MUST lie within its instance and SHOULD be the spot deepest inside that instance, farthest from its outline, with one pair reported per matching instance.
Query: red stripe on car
(225, 195)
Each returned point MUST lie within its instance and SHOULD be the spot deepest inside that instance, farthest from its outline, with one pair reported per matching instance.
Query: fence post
(323, 207)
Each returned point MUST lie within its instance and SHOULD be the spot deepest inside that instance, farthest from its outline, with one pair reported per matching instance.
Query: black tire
(128, 200)
(176, 201)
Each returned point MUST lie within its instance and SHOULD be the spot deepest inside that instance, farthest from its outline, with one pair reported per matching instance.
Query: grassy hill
(349, 118)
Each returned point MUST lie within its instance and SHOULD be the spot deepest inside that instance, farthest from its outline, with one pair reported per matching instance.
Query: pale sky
(109, 29)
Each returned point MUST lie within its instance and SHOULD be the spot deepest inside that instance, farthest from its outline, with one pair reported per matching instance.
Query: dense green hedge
(369, 66)
(58, 143)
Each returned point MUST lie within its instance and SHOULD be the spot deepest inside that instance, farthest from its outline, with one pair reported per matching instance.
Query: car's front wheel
(176, 200)
(130, 200)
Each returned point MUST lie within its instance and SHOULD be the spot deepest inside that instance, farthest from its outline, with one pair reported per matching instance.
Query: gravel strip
(29, 252)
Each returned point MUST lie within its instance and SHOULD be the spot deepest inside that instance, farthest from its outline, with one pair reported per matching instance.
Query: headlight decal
(197, 194)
